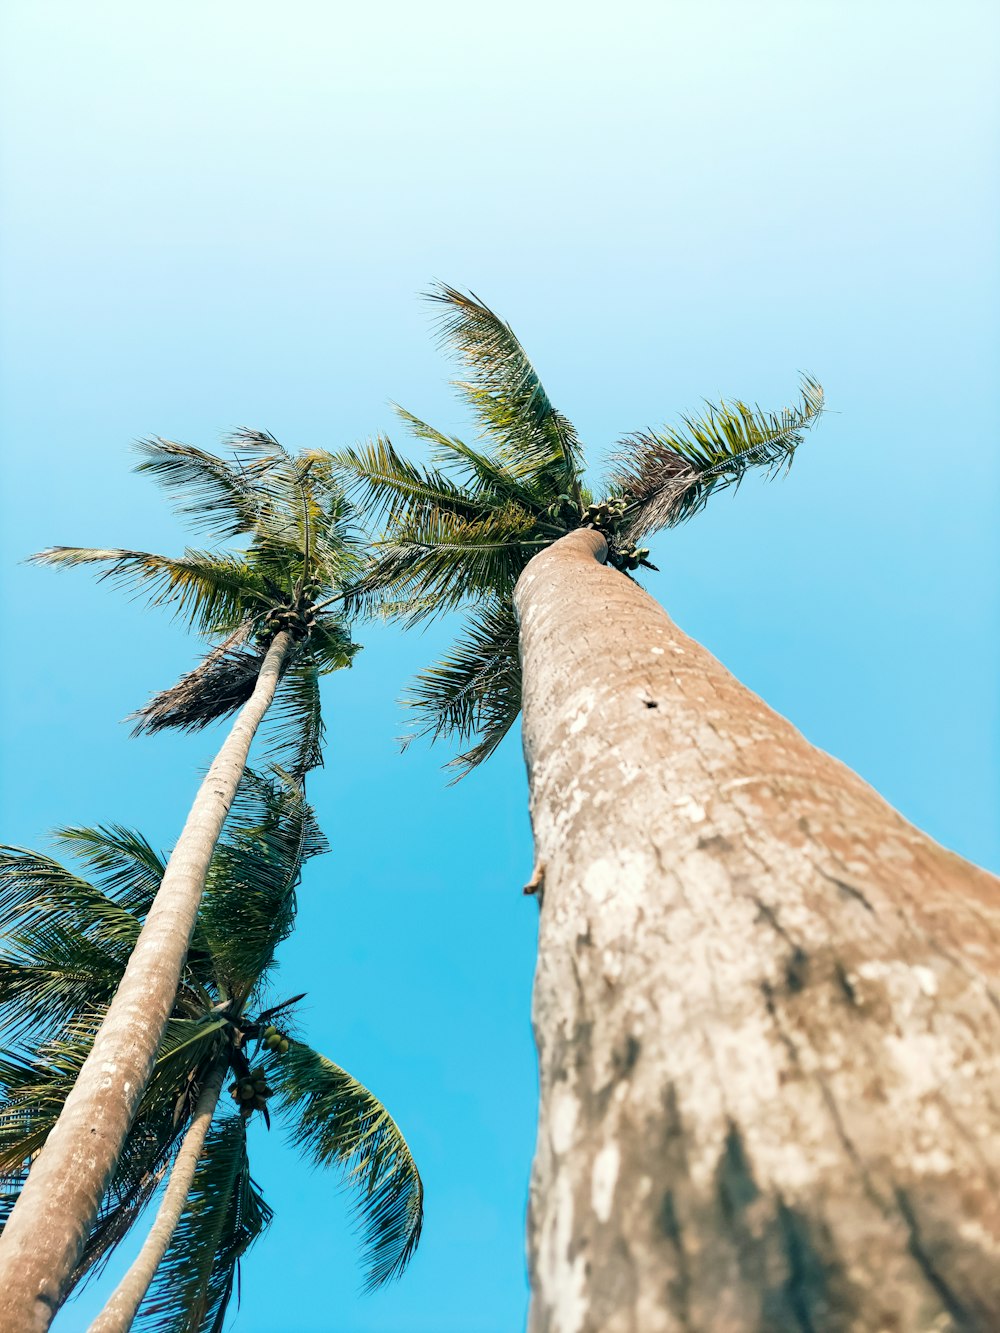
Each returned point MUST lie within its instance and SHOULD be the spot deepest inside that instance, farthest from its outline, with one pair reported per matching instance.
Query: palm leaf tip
(667, 476)
(505, 391)
(224, 1215)
(474, 692)
(335, 1120)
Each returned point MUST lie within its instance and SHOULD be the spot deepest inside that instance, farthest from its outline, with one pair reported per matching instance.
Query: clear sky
(222, 214)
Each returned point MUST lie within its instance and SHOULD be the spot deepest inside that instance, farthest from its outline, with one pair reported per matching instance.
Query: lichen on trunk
(765, 1005)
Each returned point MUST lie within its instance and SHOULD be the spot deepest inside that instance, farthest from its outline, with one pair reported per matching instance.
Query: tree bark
(765, 1005)
(47, 1229)
(124, 1301)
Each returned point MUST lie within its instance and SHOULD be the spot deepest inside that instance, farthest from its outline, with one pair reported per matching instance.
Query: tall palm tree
(267, 608)
(68, 943)
(765, 1004)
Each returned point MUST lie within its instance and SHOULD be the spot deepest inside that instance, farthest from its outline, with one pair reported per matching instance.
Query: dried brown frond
(654, 478)
(222, 682)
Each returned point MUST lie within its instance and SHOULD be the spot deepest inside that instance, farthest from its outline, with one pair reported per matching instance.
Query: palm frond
(120, 862)
(666, 476)
(48, 974)
(226, 498)
(486, 482)
(505, 391)
(36, 889)
(224, 1215)
(303, 517)
(249, 903)
(476, 689)
(221, 683)
(329, 646)
(66, 941)
(444, 561)
(388, 487)
(336, 1121)
(294, 727)
(214, 591)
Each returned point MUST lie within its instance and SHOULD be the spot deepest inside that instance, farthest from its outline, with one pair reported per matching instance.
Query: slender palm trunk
(120, 1310)
(765, 1005)
(46, 1231)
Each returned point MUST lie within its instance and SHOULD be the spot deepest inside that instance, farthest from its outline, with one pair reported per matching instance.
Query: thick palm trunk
(48, 1227)
(765, 1005)
(119, 1312)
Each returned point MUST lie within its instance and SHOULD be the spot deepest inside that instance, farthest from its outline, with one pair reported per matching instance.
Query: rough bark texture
(48, 1227)
(765, 1005)
(120, 1310)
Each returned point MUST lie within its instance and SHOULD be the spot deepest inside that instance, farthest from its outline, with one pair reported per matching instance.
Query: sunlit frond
(120, 862)
(485, 481)
(336, 1121)
(505, 392)
(388, 487)
(35, 888)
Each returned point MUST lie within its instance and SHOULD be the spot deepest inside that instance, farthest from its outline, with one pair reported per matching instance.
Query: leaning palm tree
(765, 1004)
(68, 942)
(268, 609)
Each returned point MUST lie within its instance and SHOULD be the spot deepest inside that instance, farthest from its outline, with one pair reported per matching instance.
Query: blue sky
(222, 214)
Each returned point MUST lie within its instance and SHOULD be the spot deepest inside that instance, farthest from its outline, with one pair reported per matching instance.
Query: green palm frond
(66, 942)
(294, 728)
(48, 974)
(301, 510)
(214, 591)
(388, 487)
(476, 689)
(666, 476)
(224, 1215)
(36, 889)
(336, 1121)
(484, 481)
(447, 561)
(120, 862)
(505, 392)
(300, 554)
(224, 498)
(249, 903)
(329, 646)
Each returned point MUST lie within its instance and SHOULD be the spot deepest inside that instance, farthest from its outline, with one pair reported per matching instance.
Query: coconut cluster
(251, 1092)
(298, 617)
(605, 516)
(275, 1040)
(631, 557)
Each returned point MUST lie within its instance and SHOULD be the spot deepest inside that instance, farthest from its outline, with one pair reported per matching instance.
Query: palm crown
(69, 940)
(460, 531)
(289, 575)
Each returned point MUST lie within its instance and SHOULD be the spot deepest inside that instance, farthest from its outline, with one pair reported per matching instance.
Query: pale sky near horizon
(215, 215)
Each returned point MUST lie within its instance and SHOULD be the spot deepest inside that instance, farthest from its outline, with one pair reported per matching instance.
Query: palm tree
(765, 1004)
(268, 610)
(69, 941)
